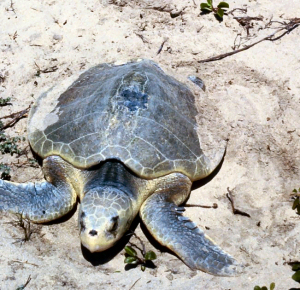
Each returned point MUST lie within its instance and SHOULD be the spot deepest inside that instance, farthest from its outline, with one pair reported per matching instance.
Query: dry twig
(242, 10)
(286, 28)
(15, 117)
(25, 262)
(141, 36)
(24, 285)
(25, 225)
(46, 70)
(143, 250)
(11, 8)
(246, 22)
(168, 9)
(134, 283)
(203, 206)
(162, 45)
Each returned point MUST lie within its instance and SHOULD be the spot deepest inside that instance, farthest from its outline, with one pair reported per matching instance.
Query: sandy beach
(252, 98)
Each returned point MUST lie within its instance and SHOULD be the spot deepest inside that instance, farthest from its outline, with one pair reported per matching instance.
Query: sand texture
(252, 99)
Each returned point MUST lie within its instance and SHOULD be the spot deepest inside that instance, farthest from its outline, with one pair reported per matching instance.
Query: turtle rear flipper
(165, 222)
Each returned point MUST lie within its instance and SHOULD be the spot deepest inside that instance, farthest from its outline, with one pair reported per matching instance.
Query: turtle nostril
(93, 233)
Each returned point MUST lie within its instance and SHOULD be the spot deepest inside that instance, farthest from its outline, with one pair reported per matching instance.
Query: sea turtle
(123, 139)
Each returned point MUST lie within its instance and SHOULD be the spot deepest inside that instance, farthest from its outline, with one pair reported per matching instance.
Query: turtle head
(105, 215)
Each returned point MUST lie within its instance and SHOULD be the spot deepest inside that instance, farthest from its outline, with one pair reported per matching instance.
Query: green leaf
(223, 5)
(130, 260)
(296, 276)
(220, 13)
(295, 190)
(296, 203)
(264, 288)
(205, 6)
(257, 288)
(296, 267)
(150, 255)
(143, 268)
(209, 2)
(272, 286)
(130, 251)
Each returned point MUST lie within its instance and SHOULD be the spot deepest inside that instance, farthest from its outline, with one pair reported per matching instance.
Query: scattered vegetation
(4, 102)
(33, 162)
(272, 287)
(144, 259)
(296, 203)
(4, 171)
(9, 144)
(219, 10)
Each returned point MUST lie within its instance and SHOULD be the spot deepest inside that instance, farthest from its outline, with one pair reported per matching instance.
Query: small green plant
(219, 10)
(33, 162)
(132, 257)
(296, 203)
(272, 287)
(9, 145)
(296, 268)
(4, 102)
(4, 171)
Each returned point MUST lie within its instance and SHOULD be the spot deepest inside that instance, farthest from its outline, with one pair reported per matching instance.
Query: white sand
(256, 91)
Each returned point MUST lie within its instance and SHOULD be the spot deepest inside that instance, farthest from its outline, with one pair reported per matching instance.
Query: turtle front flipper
(165, 222)
(39, 202)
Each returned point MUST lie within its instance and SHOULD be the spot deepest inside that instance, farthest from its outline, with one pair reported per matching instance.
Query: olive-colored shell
(132, 112)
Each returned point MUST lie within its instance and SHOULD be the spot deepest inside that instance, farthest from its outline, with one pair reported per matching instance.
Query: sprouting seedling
(272, 287)
(219, 10)
(296, 203)
(132, 257)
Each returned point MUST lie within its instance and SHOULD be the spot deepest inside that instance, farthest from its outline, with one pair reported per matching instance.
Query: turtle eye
(113, 224)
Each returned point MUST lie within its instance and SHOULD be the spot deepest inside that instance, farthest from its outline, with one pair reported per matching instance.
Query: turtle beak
(93, 242)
